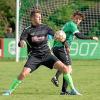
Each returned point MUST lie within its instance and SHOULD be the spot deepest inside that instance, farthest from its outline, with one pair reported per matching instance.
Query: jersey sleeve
(50, 32)
(24, 35)
(73, 28)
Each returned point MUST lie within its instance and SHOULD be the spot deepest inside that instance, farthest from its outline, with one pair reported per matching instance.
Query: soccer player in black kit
(35, 36)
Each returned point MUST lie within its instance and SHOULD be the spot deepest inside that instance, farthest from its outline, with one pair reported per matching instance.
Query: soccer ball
(60, 36)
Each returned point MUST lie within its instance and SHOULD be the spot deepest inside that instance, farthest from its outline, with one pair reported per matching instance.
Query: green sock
(69, 80)
(14, 84)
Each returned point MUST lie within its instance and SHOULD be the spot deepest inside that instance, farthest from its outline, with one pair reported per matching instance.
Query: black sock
(64, 86)
(58, 74)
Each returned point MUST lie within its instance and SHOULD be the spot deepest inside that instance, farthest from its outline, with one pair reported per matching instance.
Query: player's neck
(36, 25)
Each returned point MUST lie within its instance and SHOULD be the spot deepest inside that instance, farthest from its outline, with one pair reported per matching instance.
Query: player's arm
(82, 36)
(79, 35)
(23, 39)
(66, 46)
(50, 33)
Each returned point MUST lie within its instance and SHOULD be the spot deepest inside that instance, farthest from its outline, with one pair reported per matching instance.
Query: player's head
(9, 30)
(78, 17)
(35, 16)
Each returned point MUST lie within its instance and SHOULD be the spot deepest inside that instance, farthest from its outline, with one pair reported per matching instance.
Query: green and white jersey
(69, 28)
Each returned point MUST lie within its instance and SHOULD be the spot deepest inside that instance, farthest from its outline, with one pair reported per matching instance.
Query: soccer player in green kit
(62, 53)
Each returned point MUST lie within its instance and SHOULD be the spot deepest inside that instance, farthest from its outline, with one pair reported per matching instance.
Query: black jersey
(36, 38)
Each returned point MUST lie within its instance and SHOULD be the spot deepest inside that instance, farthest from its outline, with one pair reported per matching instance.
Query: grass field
(86, 76)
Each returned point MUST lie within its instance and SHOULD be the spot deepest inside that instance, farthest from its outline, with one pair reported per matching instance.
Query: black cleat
(55, 81)
(65, 93)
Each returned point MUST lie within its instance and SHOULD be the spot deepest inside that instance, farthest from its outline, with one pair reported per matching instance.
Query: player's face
(77, 19)
(36, 19)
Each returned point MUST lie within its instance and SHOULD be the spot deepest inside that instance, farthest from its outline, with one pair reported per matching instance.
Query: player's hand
(22, 43)
(95, 38)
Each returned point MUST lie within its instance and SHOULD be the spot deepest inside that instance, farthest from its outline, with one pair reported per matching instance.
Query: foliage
(55, 20)
(61, 15)
(95, 29)
(7, 14)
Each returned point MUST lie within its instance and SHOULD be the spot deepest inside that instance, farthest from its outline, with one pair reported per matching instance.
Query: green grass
(37, 86)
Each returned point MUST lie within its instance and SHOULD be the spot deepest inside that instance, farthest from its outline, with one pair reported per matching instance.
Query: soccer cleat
(65, 93)
(75, 92)
(7, 93)
(55, 81)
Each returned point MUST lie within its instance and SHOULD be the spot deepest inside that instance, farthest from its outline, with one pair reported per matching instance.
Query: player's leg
(63, 56)
(58, 53)
(67, 61)
(51, 60)
(28, 67)
(18, 80)
(64, 90)
(55, 80)
(64, 86)
(66, 74)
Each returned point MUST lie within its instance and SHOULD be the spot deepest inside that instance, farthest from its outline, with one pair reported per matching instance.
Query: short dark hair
(80, 14)
(34, 11)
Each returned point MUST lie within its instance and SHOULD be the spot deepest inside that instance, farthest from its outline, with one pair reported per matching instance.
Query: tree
(7, 14)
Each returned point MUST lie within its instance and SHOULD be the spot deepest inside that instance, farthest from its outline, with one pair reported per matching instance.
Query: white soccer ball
(60, 36)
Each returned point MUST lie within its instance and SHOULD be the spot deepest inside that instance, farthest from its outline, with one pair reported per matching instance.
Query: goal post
(17, 29)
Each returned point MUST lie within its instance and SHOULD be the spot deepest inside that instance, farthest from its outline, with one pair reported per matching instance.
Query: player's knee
(70, 69)
(25, 73)
(65, 69)
(22, 76)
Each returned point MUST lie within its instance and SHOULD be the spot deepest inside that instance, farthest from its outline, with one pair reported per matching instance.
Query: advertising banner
(80, 49)
(10, 49)
(85, 49)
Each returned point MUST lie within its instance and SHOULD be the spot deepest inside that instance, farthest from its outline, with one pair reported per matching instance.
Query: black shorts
(34, 62)
(62, 55)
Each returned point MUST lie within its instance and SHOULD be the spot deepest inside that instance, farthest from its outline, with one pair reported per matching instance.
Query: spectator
(9, 33)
